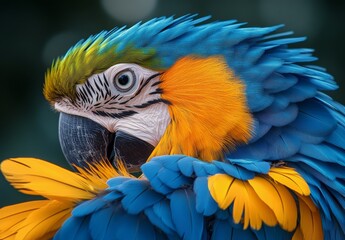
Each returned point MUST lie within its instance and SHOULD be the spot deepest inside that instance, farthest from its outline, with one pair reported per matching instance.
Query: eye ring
(125, 80)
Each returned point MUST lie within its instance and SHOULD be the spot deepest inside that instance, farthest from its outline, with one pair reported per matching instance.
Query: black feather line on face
(89, 87)
(115, 115)
(99, 82)
(157, 91)
(149, 103)
(99, 90)
(156, 83)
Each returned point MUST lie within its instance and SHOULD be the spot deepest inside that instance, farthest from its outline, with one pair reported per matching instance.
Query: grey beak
(84, 142)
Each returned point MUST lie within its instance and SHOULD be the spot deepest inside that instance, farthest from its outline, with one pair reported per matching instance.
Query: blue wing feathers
(202, 169)
(138, 196)
(173, 179)
(338, 211)
(323, 152)
(337, 137)
(279, 82)
(326, 197)
(186, 166)
(278, 118)
(280, 102)
(235, 170)
(305, 137)
(222, 230)
(259, 130)
(333, 186)
(162, 220)
(320, 121)
(116, 181)
(136, 227)
(163, 211)
(256, 150)
(259, 99)
(112, 196)
(251, 165)
(227, 230)
(74, 228)
(299, 92)
(254, 54)
(280, 144)
(151, 172)
(205, 204)
(284, 41)
(88, 207)
(329, 170)
(277, 35)
(103, 223)
(188, 222)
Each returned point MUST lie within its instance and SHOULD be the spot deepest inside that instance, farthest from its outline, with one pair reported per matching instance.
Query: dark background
(33, 33)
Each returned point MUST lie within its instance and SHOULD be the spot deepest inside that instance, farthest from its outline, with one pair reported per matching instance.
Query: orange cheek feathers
(208, 110)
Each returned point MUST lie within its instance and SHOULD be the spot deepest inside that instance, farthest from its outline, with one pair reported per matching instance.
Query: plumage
(188, 222)
(290, 178)
(205, 203)
(252, 165)
(74, 228)
(310, 223)
(268, 196)
(111, 217)
(164, 223)
(319, 119)
(323, 152)
(88, 207)
(53, 183)
(138, 196)
(281, 118)
(278, 199)
(235, 171)
(245, 201)
(151, 172)
(11, 217)
(252, 148)
(44, 222)
(41, 219)
(194, 116)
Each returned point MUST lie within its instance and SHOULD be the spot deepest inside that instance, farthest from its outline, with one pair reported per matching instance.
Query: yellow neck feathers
(208, 109)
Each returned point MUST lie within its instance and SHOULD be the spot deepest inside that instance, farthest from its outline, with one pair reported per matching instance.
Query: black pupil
(123, 79)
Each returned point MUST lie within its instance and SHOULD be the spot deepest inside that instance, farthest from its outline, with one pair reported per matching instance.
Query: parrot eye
(125, 80)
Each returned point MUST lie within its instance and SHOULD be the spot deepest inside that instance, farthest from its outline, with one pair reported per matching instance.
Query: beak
(85, 142)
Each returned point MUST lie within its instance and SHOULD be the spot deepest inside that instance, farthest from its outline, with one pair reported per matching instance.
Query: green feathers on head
(94, 55)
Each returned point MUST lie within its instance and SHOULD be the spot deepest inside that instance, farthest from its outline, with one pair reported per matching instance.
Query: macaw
(181, 129)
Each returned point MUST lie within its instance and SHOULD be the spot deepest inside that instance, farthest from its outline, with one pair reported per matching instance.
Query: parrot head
(136, 93)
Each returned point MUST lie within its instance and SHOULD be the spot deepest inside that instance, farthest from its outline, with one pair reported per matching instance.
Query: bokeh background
(33, 33)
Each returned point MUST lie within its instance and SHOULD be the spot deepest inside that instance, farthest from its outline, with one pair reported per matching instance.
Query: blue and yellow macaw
(180, 129)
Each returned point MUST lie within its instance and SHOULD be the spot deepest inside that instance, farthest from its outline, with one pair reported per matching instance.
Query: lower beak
(85, 142)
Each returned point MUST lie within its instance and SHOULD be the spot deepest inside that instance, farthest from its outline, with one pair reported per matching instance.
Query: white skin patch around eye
(148, 123)
(136, 72)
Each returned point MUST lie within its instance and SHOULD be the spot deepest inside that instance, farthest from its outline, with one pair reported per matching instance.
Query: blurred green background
(33, 33)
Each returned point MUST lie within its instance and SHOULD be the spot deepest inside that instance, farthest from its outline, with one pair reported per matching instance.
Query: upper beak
(84, 142)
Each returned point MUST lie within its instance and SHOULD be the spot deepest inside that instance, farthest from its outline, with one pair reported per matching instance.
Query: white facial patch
(125, 97)
(149, 125)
